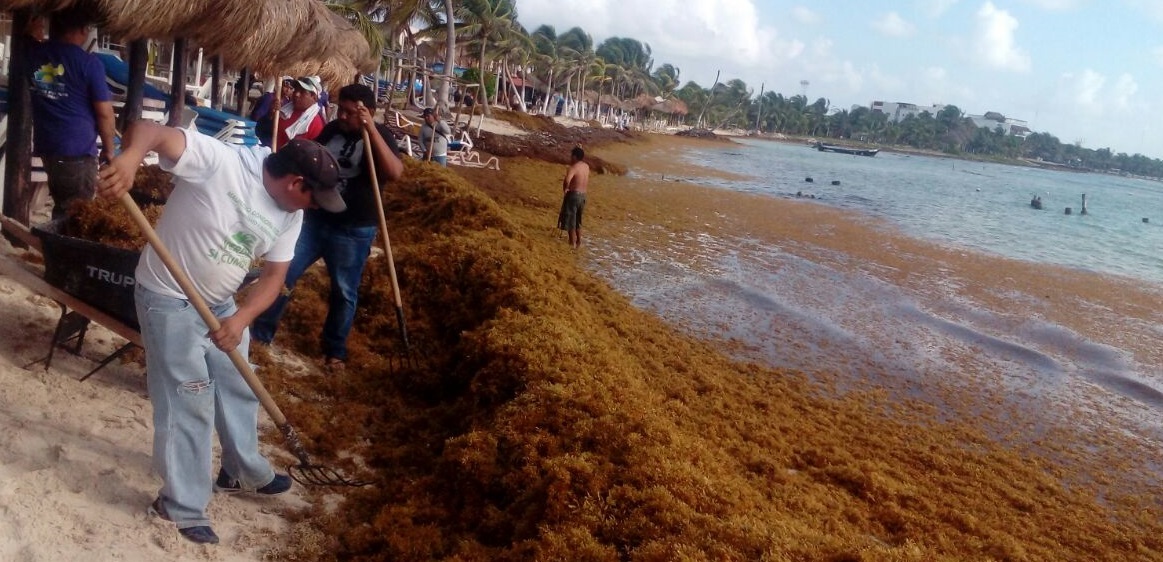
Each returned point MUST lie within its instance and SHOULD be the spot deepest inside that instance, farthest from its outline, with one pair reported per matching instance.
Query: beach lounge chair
(155, 102)
(462, 153)
(226, 127)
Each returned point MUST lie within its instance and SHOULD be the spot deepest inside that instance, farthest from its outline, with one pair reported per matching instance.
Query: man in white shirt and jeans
(229, 206)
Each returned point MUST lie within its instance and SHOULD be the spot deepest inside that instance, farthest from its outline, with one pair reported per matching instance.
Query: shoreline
(934, 275)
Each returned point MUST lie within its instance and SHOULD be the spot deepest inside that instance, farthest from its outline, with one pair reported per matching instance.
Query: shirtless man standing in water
(577, 178)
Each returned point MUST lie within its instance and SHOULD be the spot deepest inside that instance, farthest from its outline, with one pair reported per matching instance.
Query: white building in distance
(898, 111)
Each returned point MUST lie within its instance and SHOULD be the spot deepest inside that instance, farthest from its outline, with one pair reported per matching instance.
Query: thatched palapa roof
(672, 106)
(269, 36)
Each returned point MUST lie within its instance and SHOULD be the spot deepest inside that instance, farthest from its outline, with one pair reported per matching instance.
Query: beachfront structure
(992, 120)
(898, 111)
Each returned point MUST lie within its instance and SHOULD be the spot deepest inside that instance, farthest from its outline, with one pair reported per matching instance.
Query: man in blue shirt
(71, 107)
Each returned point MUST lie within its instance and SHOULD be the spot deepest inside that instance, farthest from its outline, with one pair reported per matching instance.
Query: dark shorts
(572, 206)
(70, 179)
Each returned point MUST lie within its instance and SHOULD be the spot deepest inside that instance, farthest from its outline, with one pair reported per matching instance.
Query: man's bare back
(577, 177)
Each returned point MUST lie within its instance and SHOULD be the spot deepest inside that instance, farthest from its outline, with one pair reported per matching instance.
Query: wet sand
(1063, 361)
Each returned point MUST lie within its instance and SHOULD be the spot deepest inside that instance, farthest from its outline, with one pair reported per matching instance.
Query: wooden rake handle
(383, 220)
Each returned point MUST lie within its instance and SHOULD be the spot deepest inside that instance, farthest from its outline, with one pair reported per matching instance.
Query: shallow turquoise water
(980, 206)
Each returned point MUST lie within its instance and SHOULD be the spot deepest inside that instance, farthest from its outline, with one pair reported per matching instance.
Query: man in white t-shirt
(229, 206)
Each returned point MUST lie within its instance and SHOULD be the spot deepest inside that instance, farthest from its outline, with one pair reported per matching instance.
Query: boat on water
(822, 147)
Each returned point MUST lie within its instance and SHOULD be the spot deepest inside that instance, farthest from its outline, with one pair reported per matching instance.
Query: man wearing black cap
(230, 205)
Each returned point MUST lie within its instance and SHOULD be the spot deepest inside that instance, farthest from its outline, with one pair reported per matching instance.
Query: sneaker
(335, 365)
(224, 484)
(200, 534)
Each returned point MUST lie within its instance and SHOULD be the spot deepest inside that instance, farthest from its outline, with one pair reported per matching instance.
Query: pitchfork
(305, 472)
(367, 146)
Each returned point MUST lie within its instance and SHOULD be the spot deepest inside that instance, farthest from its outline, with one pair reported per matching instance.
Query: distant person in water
(1036, 202)
(573, 203)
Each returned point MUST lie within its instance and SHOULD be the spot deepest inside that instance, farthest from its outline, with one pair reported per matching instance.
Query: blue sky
(1088, 71)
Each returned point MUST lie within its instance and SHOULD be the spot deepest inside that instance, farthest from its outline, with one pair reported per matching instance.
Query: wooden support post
(18, 190)
(178, 84)
(135, 90)
(243, 93)
(216, 82)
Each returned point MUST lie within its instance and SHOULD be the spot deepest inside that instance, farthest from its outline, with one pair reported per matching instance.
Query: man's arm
(141, 138)
(103, 110)
(262, 294)
(388, 166)
(569, 174)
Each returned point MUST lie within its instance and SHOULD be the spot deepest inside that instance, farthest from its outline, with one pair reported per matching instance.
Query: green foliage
(473, 76)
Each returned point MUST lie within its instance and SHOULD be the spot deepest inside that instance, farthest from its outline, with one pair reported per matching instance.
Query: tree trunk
(548, 94)
(449, 56)
(178, 84)
(18, 192)
(512, 86)
(135, 90)
(215, 82)
(243, 93)
(484, 93)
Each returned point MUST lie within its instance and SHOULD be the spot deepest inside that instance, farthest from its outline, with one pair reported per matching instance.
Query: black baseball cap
(319, 169)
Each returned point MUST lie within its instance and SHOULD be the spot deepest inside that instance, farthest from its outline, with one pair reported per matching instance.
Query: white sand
(75, 472)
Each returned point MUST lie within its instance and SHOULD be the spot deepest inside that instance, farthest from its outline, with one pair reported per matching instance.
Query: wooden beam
(135, 90)
(18, 189)
(178, 84)
(216, 82)
(14, 229)
(243, 92)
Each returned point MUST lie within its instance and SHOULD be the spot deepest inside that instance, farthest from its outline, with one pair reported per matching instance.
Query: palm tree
(514, 46)
(360, 15)
(486, 21)
(667, 79)
(578, 49)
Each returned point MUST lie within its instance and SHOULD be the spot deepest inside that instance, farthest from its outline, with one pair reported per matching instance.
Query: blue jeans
(195, 390)
(442, 160)
(344, 250)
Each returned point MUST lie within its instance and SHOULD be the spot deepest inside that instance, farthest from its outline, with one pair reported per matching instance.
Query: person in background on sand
(249, 204)
(263, 113)
(344, 239)
(573, 203)
(71, 108)
(434, 135)
(306, 119)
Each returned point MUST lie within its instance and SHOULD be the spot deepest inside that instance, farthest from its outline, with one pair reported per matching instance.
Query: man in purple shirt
(71, 107)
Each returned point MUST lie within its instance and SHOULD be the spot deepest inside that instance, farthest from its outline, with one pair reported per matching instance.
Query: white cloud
(893, 25)
(935, 8)
(805, 15)
(710, 29)
(994, 40)
(1056, 5)
(1124, 90)
(1153, 8)
(1088, 93)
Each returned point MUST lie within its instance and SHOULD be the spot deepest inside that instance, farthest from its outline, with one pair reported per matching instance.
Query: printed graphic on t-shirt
(239, 248)
(349, 156)
(45, 79)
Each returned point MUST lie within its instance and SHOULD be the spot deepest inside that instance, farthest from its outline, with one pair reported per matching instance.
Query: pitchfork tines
(310, 474)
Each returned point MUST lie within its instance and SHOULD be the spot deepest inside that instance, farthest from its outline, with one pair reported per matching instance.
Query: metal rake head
(312, 475)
